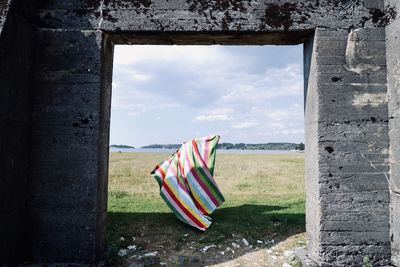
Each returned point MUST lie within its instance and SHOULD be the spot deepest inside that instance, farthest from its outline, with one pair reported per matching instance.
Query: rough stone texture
(70, 114)
(349, 207)
(311, 141)
(214, 15)
(4, 7)
(347, 134)
(393, 64)
(395, 229)
(16, 54)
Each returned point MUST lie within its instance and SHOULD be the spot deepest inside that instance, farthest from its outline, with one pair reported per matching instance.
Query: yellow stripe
(195, 214)
(201, 202)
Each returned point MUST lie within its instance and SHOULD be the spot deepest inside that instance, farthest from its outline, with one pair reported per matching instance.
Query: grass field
(265, 201)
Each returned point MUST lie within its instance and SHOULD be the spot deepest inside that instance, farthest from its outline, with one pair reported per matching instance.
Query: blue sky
(168, 94)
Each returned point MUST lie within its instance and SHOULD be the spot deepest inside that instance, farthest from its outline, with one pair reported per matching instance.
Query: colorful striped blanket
(187, 184)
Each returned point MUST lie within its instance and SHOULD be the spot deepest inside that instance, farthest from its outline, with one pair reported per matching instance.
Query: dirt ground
(237, 251)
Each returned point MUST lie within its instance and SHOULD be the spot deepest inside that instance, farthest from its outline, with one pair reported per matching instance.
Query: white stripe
(193, 180)
(178, 209)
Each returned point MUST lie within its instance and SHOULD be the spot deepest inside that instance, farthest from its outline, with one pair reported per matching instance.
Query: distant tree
(240, 146)
(300, 146)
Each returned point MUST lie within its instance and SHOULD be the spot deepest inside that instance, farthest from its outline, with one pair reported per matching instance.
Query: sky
(169, 94)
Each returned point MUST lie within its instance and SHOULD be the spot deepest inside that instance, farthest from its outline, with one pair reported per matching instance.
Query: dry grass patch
(264, 201)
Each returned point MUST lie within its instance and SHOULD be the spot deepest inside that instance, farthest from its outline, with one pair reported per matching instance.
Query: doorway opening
(253, 97)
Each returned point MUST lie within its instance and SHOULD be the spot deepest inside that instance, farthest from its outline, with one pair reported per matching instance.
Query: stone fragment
(288, 253)
(206, 248)
(122, 252)
(235, 245)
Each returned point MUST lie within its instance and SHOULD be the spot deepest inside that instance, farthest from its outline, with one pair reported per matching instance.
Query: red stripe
(180, 165)
(206, 170)
(203, 211)
(161, 172)
(206, 148)
(176, 177)
(196, 149)
(201, 183)
(200, 207)
(188, 213)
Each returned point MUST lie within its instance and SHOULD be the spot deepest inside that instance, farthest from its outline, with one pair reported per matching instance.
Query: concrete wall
(313, 207)
(348, 196)
(68, 187)
(347, 126)
(16, 53)
(393, 62)
(4, 7)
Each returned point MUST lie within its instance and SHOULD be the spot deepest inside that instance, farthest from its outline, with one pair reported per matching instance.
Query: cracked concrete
(57, 113)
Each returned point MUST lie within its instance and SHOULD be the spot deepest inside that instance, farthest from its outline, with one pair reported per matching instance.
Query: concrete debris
(229, 249)
(135, 257)
(122, 252)
(132, 248)
(151, 254)
(204, 250)
(294, 261)
(269, 242)
(235, 245)
(245, 242)
(288, 253)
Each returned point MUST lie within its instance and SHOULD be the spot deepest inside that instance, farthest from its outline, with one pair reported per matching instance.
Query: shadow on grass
(163, 232)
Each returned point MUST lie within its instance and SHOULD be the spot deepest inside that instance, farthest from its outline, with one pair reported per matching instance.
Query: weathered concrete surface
(393, 63)
(347, 134)
(68, 190)
(313, 209)
(214, 15)
(4, 7)
(347, 120)
(16, 54)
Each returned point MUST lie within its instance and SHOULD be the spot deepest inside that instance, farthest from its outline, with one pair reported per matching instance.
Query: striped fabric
(187, 184)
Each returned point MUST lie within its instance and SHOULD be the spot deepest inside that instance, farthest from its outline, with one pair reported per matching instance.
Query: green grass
(264, 199)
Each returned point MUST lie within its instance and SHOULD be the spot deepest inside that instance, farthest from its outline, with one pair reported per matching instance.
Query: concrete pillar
(393, 64)
(16, 56)
(68, 187)
(347, 146)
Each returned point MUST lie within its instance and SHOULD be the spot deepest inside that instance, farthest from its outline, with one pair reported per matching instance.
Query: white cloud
(218, 114)
(136, 102)
(211, 118)
(239, 93)
(245, 125)
(273, 83)
(278, 115)
(140, 77)
(167, 54)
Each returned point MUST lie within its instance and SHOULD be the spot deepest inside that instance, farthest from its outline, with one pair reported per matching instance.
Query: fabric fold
(187, 184)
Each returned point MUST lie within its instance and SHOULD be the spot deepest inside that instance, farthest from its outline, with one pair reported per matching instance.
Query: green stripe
(214, 190)
(158, 179)
(180, 177)
(211, 155)
(173, 208)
